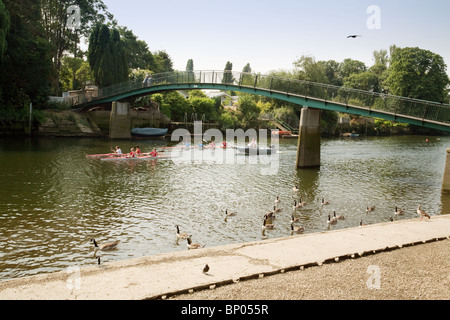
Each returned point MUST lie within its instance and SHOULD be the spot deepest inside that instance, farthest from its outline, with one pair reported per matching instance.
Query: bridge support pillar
(446, 179)
(308, 148)
(120, 121)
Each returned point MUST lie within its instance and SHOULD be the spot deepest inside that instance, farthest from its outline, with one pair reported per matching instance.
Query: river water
(53, 199)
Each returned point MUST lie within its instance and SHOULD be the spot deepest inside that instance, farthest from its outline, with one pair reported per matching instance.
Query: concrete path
(161, 275)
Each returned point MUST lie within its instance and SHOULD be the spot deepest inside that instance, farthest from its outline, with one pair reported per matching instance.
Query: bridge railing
(426, 110)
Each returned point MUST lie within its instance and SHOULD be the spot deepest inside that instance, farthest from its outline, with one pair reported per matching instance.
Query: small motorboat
(149, 132)
(256, 151)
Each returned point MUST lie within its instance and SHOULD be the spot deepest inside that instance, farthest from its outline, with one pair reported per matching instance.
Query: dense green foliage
(4, 28)
(106, 56)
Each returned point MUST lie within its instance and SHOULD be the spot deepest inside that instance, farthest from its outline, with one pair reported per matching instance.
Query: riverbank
(166, 275)
(418, 272)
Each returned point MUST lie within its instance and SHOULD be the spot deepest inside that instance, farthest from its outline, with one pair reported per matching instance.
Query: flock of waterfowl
(267, 223)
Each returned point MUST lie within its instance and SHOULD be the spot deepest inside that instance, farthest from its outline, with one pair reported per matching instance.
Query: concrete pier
(446, 178)
(120, 120)
(165, 274)
(308, 148)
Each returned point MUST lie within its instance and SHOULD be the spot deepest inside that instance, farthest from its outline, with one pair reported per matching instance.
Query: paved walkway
(161, 275)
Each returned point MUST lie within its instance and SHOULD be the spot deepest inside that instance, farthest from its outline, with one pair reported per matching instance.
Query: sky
(272, 34)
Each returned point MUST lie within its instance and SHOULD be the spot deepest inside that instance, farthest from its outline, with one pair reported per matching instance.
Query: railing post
(256, 80)
(212, 77)
(288, 87)
(271, 81)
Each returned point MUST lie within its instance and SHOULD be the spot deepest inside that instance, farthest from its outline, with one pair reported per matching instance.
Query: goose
(303, 203)
(368, 209)
(206, 269)
(331, 220)
(181, 235)
(422, 213)
(295, 188)
(398, 212)
(277, 200)
(296, 205)
(297, 229)
(294, 219)
(269, 215)
(339, 217)
(191, 245)
(106, 246)
(230, 213)
(362, 224)
(325, 202)
(267, 225)
(275, 209)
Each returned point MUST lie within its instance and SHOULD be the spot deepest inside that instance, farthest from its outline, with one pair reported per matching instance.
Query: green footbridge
(306, 94)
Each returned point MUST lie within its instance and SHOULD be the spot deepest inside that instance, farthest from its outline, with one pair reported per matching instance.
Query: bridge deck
(315, 95)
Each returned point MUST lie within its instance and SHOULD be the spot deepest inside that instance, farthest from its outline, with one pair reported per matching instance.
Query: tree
(26, 68)
(63, 38)
(106, 56)
(163, 62)
(366, 81)
(308, 69)
(138, 55)
(350, 66)
(247, 68)
(418, 73)
(4, 28)
(228, 73)
(190, 65)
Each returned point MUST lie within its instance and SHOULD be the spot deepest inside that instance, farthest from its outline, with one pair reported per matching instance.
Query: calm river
(53, 199)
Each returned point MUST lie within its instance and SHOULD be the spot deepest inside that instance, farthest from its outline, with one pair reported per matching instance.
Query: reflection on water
(53, 200)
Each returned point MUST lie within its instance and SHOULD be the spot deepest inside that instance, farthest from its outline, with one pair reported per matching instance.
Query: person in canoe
(154, 153)
(132, 153)
(117, 150)
(137, 151)
(224, 144)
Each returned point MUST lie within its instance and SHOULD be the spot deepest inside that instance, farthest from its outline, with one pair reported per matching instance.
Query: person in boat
(154, 153)
(253, 144)
(224, 144)
(117, 150)
(132, 153)
(137, 151)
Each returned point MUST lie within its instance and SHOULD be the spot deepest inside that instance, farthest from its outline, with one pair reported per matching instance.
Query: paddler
(117, 151)
(138, 151)
(154, 153)
(132, 153)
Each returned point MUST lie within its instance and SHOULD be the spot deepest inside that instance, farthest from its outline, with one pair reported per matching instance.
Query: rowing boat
(148, 157)
(259, 151)
(104, 155)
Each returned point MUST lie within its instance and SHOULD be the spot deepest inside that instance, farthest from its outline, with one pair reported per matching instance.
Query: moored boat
(149, 132)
